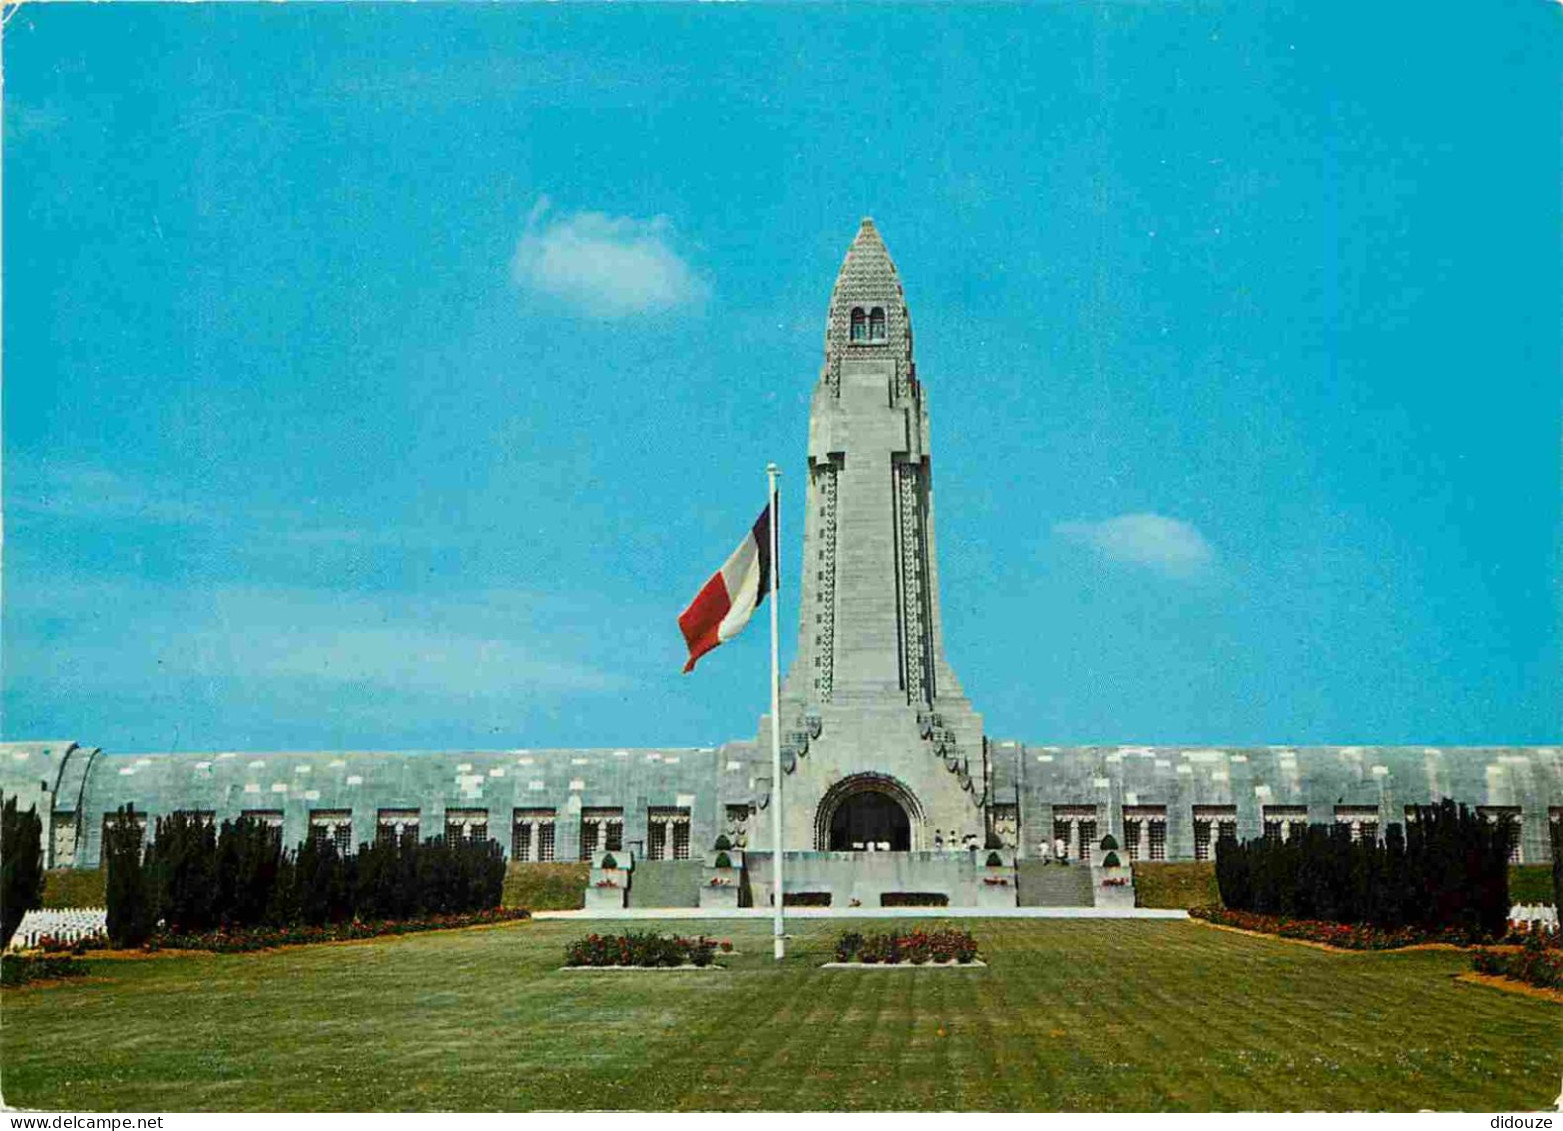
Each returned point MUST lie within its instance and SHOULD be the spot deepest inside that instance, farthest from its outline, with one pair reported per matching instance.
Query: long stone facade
(882, 751)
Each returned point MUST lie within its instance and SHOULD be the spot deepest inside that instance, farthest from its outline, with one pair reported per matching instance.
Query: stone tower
(872, 713)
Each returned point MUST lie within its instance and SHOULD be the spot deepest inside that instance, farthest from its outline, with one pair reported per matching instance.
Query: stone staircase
(666, 883)
(1051, 885)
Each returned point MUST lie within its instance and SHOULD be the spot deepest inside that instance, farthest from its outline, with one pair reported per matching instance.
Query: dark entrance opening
(870, 820)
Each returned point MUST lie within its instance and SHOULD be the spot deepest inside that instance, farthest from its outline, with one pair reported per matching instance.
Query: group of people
(1048, 853)
(1057, 851)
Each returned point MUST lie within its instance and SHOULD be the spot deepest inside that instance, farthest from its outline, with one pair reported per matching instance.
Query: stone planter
(623, 861)
(604, 899)
(1113, 894)
(719, 898)
(996, 895)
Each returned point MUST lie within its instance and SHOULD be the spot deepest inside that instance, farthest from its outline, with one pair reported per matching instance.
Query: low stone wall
(866, 876)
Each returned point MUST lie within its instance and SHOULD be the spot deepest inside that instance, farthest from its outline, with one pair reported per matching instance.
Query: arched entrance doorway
(867, 812)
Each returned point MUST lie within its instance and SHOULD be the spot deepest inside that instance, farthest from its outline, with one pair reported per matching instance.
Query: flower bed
(19, 969)
(54, 944)
(641, 950)
(914, 947)
(1347, 936)
(239, 939)
(1538, 962)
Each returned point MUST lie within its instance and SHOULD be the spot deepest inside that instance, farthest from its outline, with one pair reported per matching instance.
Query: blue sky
(392, 376)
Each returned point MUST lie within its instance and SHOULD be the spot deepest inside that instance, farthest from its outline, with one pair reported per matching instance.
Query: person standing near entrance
(1061, 850)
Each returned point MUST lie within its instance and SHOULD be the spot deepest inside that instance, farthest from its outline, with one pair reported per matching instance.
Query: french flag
(727, 601)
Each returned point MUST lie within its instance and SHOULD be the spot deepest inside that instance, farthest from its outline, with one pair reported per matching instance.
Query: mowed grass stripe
(1088, 1015)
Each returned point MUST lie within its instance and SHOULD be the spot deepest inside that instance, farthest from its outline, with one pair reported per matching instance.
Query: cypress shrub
(723, 860)
(196, 878)
(131, 911)
(21, 866)
(1111, 860)
(1557, 873)
(256, 850)
(1448, 869)
(181, 866)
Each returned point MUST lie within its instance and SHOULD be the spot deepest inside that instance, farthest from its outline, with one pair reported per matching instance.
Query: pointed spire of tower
(868, 263)
(868, 315)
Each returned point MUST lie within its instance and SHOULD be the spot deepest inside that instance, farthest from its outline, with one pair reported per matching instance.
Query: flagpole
(778, 929)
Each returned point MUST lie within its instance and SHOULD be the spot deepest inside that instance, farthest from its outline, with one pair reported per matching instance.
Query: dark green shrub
(1109, 843)
(608, 861)
(914, 899)
(1447, 869)
(181, 865)
(21, 866)
(806, 899)
(722, 843)
(995, 860)
(723, 860)
(1557, 874)
(131, 911)
(1111, 860)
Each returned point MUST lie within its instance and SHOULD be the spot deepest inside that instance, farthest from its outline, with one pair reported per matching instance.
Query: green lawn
(1072, 1014)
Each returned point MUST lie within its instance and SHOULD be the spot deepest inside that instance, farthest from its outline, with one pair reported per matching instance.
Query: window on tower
(876, 324)
(859, 325)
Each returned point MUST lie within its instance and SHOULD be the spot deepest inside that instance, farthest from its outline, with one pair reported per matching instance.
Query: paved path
(873, 913)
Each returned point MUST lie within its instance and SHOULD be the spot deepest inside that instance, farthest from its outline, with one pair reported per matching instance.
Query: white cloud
(86, 492)
(1166, 545)
(115, 635)
(607, 266)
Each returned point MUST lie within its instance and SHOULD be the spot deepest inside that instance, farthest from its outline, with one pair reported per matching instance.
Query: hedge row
(914, 899)
(196, 877)
(1447, 869)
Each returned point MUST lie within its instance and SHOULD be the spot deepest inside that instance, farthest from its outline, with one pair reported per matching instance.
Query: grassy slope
(71, 887)
(1176, 885)
(1530, 883)
(546, 887)
(1071, 1014)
